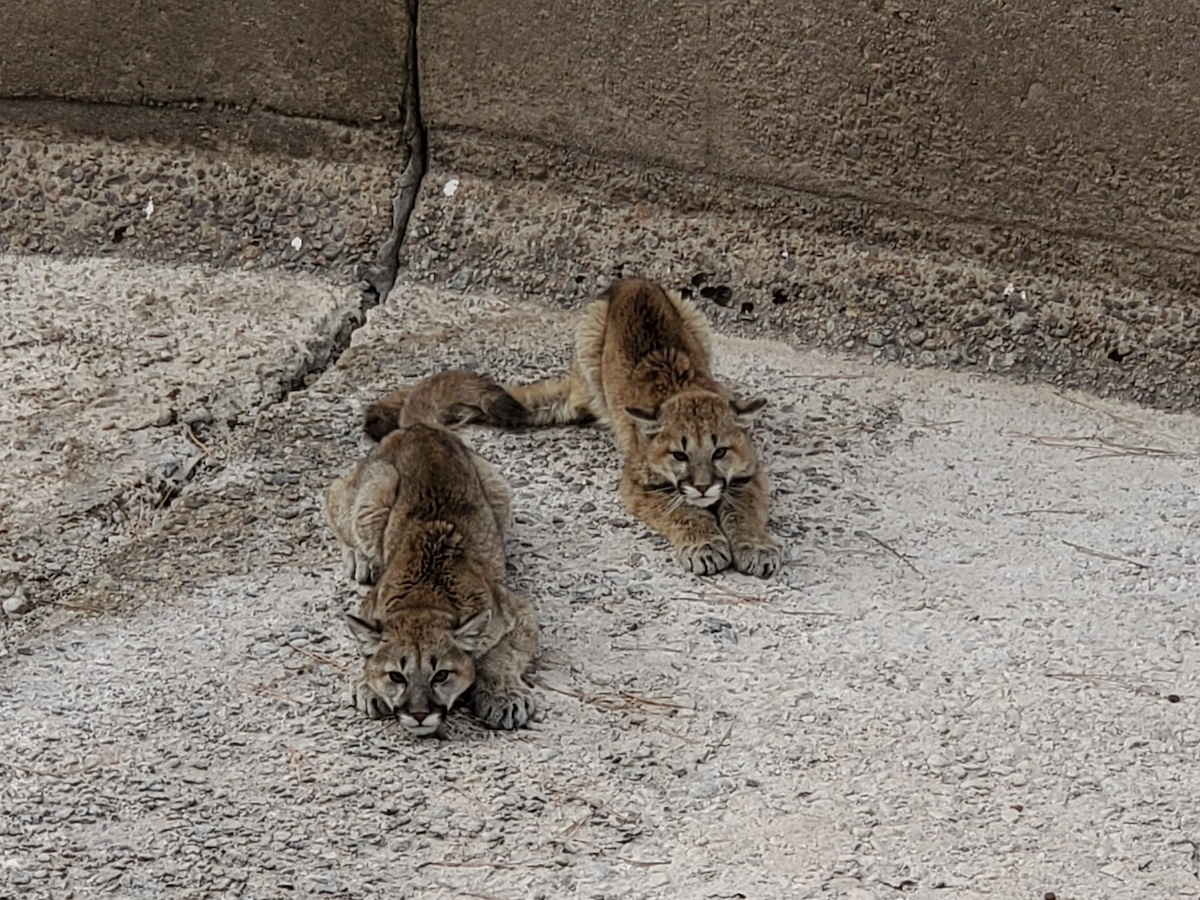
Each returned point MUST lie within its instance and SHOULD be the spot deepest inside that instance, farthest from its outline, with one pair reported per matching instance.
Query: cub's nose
(702, 489)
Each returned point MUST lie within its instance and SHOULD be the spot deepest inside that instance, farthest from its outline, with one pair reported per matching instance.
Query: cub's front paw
(761, 560)
(359, 567)
(504, 707)
(369, 703)
(706, 559)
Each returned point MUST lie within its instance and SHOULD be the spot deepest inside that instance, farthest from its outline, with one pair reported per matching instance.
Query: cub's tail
(448, 398)
(555, 401)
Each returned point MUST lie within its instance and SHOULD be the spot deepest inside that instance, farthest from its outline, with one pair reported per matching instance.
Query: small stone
(198, 416)
(17, 605)
(937, 761)
(461, 280)
(876, 339)
(345, 790)
(105, 875)
(704, 790)
(1022, 323)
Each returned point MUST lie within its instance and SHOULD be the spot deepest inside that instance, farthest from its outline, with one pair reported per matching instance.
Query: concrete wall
(1073, 120)
(339, 61)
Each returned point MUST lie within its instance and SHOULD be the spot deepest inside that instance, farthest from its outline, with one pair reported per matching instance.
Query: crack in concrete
(382, 276)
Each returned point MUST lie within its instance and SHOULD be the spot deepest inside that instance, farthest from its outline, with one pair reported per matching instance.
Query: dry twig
(297, 761)
(866, 535)
(72, 772)
(1099, 447)
(1099, 554)
(322, 658)
(1093, 678)
(1057, 512)
(707, 755)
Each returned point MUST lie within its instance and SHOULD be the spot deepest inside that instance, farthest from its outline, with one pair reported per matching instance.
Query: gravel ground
(120, 375)
(976, 677)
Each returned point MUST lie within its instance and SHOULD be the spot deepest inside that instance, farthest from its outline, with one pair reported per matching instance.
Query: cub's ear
(472, 635)
(368, 634)
(746, 411)
(647, 422)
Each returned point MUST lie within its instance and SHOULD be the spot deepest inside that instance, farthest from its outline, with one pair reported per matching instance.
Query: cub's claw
(359, 567)
(369, 703)
(761, 560)
(505, 709)
(706, 559)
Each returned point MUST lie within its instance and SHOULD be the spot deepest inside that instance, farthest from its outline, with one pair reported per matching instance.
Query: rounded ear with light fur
(746, 411)
(646, 420)
(368, 634)
(472, 635)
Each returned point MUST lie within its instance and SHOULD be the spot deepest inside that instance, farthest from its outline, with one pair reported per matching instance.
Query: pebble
(17, 605)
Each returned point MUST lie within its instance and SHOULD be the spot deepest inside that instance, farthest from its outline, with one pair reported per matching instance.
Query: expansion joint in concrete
(381, 276)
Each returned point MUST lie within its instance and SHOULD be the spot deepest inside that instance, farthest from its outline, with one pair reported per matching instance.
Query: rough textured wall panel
(1074, 119)
(342, 61)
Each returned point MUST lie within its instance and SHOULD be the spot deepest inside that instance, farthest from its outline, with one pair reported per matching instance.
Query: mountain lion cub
(423, 516)
(691, 472)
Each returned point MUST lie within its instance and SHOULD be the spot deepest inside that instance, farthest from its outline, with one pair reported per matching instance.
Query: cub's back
(438, 480)
(642, 320)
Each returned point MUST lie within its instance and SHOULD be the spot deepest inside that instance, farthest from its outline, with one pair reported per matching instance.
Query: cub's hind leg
(703, 548)
(495, 489)
(742, 514)
(503, 699)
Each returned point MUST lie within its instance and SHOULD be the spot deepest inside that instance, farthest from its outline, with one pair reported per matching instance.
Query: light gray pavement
(978, 675)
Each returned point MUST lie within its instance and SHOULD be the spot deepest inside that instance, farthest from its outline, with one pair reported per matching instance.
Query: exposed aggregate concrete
(976, 676)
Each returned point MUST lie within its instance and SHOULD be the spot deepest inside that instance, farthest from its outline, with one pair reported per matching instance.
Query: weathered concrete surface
(229, 197)
(1067, 121)
(122, 382)
(977, 676)
(345, 62)
(561, 240)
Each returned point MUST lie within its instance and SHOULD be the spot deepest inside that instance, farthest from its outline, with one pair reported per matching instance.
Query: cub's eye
(720, 452)
(441, 676)
(679, 455)
(397, 677)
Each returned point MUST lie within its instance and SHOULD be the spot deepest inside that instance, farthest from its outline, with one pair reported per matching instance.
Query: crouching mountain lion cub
(691, 472)
(423, 517)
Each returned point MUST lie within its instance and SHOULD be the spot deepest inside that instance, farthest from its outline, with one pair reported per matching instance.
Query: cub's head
(420, 662)
(697, 443)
